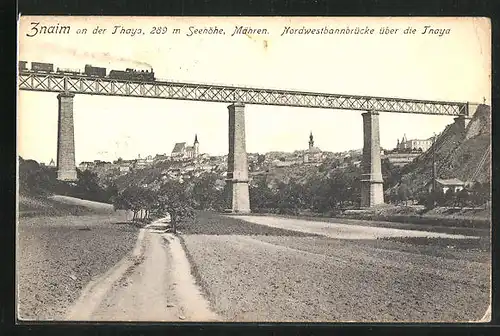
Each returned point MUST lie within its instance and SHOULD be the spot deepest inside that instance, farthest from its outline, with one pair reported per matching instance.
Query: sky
(452, 67)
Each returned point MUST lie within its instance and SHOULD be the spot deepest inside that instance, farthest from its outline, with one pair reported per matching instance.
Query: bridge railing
(169, 89)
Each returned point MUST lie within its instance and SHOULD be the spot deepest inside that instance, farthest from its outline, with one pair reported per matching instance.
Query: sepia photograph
(254, 169)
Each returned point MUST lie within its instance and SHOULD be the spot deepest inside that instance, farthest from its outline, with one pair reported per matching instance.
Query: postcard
(254, 169)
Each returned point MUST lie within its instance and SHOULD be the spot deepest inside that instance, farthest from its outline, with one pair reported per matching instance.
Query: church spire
(311, 140)
(196, 146)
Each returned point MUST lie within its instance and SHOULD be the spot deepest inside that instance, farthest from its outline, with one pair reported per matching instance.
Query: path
(343, 231)
(153, 284)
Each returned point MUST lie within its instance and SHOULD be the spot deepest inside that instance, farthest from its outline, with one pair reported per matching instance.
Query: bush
(38, 180)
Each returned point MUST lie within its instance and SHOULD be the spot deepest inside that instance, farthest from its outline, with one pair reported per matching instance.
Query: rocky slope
(458, 155)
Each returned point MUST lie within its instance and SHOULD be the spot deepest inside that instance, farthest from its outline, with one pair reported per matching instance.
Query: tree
(462, 198)
(449, 196)
(37, 179)
(392, 196)
(403, 193)
(336, 190)
(439, 197)
(391, 173)
(315, 191)
(206, 194)
(174, 199)
(422, 196)
(87, 181)
(111, 192)
(352, 193)
(148, 198)
(340, 187)
(290, 197)
(480, 193)
(261, 196)
(128, 200)
(139, 200)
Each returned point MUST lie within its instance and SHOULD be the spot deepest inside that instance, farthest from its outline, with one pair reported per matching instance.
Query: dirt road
(98, 266)
(153, 284)
(344, 231)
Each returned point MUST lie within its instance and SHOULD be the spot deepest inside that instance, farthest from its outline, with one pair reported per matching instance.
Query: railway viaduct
(237, 178)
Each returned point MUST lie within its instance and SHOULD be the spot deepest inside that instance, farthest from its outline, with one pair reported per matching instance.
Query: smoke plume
(99, 57)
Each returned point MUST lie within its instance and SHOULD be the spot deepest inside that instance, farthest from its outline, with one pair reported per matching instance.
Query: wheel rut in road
(153, 284)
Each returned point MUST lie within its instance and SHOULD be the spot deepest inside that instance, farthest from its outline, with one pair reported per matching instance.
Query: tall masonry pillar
(462, 120)
(66, 167)
(237, 164)
(372, 190)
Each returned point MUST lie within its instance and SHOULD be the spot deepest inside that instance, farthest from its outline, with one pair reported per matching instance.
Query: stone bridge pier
(66, 166)
(372, 190)
(237, 163)
(463, 120)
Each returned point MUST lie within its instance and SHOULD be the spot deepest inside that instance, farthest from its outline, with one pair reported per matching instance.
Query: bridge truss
(78, 84)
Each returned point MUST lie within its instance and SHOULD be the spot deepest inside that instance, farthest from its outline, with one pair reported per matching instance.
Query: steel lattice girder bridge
(229, 94)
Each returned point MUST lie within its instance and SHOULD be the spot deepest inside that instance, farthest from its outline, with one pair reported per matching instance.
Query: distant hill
(466, 157)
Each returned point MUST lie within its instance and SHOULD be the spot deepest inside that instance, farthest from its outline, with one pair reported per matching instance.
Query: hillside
(466, 159)
(30, 206)
(37, 182)
(297, 173)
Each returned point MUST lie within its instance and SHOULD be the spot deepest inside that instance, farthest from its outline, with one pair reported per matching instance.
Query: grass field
(42, 206)
(60, 248)
(248, 276)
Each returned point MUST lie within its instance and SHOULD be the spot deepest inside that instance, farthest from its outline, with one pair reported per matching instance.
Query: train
(91, 71)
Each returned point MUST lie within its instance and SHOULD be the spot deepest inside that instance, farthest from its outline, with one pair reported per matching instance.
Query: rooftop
(179, 147)
(452, 182)
(313, 150)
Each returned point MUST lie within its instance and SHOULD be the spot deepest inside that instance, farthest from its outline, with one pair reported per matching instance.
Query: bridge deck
(80, 84)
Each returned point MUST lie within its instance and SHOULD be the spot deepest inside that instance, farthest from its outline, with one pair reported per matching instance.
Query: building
(400, 159)
(414, 144)
(143, 162)
(312, 154)
(281, 164)
(455, 184)
(407, 151)
(124, 169)
(181, 151)
(161, 158)
(52, 163)
(84, 165)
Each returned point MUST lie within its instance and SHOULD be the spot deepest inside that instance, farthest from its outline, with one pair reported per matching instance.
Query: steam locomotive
(91, 71)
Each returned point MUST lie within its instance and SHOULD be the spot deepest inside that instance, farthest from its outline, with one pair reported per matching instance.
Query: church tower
(403, 142)
(311, 140)
(196, 146)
